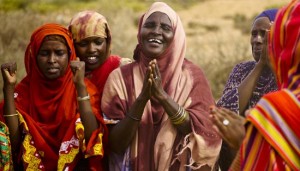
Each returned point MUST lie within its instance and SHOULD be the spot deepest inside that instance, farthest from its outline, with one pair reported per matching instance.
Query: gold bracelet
(15, 114)
(83, 98)
(177, 113)
(181, 120)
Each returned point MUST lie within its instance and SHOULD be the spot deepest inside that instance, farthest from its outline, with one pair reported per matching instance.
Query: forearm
(173, 110)
(87, 116)
(247, 87)
(122, 134)
(11, 117)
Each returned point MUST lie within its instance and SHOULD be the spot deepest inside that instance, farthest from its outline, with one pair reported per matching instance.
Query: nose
(157, 29)
(52, 58)
(92, 48)
(259, 38)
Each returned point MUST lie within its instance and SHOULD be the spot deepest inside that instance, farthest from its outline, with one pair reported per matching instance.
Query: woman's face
(92, 51)
(156, 34)
(53, 58)
(258, 32)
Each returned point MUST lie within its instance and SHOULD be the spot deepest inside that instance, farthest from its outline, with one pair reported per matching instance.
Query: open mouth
(156, 41)
(92, 60)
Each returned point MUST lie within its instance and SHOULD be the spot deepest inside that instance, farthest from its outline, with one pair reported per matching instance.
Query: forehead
(53, 43)
(159, 17)
(261, 23)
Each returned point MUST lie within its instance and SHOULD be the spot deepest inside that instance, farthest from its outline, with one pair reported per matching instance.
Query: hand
(146, 90)
(9, 76)
(157, 89)
(78, 69)
(264, 58)
(233, 131)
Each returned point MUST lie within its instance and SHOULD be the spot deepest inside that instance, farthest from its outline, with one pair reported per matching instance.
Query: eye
(43, 53)
(166, 27)
(60, 52)
(254, 33)
(82, 43)
(98, 42)
(149, 25)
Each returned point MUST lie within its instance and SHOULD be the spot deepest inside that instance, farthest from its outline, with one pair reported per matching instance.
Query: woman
(250, 80)
(92, 39)
(160, 102)
(272, 127)
(247, 83)
(54, 122)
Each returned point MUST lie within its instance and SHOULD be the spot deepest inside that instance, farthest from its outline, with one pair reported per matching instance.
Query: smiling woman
(160, 102)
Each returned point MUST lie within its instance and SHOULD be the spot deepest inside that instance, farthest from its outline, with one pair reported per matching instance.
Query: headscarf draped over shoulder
(48, 108)
(285, 46)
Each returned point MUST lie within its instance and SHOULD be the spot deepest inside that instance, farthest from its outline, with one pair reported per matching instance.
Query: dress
(5, 149)
(158, 145)
(52, 131)
(230, 98)
(272, 140)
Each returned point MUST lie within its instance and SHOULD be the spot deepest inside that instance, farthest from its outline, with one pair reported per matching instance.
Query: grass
(214, 44)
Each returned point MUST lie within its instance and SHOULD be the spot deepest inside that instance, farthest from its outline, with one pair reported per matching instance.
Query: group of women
(81, 108)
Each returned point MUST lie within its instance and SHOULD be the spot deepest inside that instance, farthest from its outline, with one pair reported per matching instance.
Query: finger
(219, 122)
(77, 59)
(157, 71)
(228, 113)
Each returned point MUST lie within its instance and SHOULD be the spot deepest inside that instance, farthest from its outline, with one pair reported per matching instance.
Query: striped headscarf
(285, 46)
(273, 131)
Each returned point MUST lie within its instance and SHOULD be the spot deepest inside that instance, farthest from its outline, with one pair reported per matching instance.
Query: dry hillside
(217, 31)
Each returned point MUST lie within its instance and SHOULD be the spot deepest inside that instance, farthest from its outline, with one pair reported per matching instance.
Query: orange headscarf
(285, 46)
(49, 107)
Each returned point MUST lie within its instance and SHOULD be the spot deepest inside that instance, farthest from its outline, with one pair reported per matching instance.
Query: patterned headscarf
(284, 46)
(90, 24)
(270, 13)
(87, 24)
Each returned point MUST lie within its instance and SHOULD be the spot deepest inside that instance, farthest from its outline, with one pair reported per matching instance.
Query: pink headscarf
(170, 62)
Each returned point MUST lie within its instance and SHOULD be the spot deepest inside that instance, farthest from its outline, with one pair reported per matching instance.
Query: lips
(53, 70)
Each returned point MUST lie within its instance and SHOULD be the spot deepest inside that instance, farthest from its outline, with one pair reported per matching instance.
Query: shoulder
(120, 60)
(191, 67)
(245, 65)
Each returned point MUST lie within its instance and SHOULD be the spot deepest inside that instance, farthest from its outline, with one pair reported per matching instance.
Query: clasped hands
(152, 85)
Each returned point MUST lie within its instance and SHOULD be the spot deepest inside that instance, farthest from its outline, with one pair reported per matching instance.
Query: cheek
(64, 64)
(80, 51)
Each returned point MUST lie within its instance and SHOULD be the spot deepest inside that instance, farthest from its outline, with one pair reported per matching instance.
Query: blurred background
(218, 31)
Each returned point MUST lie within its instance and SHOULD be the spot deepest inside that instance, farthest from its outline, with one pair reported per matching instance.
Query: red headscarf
(49, 107)
(285, 46)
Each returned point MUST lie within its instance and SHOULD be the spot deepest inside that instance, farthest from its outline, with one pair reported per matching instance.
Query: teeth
(92, 58)
(155, 41)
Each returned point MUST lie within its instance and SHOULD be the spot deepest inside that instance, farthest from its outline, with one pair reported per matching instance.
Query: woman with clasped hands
(53, 113)
(160, 102)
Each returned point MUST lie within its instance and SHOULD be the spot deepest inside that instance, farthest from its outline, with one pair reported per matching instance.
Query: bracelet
(83, 98)
(133, 118)
(179, 117)
(15, 114)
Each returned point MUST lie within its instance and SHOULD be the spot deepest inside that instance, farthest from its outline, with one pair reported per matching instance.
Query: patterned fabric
(273, 129)
(273, 134)
(265, 84)
(5, 149)
(155, 144)
(49, 114)
(88, 24)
